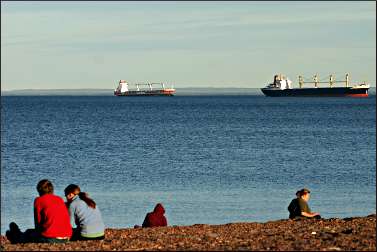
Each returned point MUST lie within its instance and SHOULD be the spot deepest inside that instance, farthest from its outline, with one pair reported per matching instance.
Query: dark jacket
(155, 218)
(297, 206)
(294, 209)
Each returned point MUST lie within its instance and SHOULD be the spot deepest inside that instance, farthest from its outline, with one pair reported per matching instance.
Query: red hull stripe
(358, 95)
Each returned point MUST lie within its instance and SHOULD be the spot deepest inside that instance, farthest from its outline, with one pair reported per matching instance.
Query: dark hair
(72, 188)
(75, 189)
(45, 187)
(303, 192)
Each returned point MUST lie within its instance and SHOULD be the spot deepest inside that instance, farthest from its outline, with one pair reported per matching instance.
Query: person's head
(72, 190)
(304, 194)
(159, 209)
(298, 194)
(45, 187)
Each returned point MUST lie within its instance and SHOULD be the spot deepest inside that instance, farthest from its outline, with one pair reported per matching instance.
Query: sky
(92, 45)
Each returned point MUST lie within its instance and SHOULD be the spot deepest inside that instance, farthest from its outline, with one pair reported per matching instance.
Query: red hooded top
(51, 216)
(156, 218)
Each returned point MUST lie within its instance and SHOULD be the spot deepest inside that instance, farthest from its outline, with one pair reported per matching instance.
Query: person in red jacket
(51, 215)
(155, 218)
(51, 218)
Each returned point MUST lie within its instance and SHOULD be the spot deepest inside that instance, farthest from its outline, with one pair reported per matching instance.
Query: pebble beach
(356, 233)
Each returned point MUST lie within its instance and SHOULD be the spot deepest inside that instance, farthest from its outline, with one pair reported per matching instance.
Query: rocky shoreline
(356, 233)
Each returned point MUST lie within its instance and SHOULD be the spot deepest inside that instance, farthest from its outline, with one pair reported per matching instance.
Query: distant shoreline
(109, 92)
(355, 233)
(190, 91)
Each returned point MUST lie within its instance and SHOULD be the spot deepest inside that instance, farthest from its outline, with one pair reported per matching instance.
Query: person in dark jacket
(293, 207)
(156, 218)
(299, 208)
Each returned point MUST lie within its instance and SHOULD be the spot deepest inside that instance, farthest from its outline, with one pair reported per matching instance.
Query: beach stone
(358, 233)
(334, 249)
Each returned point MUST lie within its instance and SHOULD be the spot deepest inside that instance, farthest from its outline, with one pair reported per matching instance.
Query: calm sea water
(208, 159)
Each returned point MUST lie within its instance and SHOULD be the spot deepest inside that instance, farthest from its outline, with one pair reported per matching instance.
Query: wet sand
(357, 233)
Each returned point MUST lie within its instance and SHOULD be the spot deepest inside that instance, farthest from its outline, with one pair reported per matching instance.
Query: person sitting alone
(299, 208)
(155, 218)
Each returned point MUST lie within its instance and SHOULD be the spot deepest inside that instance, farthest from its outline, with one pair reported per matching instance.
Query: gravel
(357, 233)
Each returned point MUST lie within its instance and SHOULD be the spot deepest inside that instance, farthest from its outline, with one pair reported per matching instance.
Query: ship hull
(335, 91)
(146, 93)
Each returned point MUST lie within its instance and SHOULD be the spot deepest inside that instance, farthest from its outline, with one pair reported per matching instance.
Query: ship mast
(332, 81)
(315, 80)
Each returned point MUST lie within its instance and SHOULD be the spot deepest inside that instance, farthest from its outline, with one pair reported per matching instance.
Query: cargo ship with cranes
(143, 89)
(282, 86)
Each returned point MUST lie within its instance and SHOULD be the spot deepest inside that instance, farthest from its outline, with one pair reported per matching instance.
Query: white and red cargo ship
(123, 89)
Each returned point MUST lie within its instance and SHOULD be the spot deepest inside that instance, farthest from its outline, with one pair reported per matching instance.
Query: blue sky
(64, 45)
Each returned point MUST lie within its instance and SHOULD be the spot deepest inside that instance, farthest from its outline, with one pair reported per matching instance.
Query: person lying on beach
(51, 219)
(85, 214)
(155, 218)
(299, 208)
